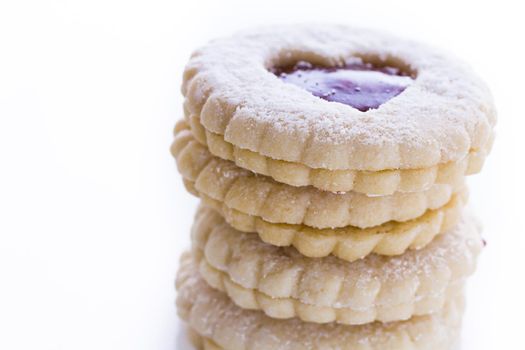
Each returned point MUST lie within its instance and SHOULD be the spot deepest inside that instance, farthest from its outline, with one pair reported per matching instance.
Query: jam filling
(361, 85)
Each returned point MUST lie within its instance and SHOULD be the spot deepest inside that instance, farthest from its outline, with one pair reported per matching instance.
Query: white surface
(93, 214)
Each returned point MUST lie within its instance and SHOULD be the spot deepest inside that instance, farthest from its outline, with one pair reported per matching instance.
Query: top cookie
(337, 98)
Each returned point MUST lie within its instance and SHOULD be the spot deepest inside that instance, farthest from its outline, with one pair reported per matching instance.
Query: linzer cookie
(285, 284)
(340, 109)
(351, 243)
(217, 323)
(330, 163)
(222, 183)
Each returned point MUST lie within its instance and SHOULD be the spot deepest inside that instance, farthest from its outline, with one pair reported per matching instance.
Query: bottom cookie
(218, 323)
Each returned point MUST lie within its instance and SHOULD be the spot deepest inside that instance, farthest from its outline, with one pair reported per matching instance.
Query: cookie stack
(330, 163)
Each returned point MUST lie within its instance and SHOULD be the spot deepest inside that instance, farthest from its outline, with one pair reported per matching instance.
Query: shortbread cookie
(350, 243)
(255, 197)
(382, 182)
(285, 284)
(215, 179)
(223, 325)
(336, 98)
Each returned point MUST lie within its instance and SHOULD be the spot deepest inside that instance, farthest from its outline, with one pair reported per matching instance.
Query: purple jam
(357, 84)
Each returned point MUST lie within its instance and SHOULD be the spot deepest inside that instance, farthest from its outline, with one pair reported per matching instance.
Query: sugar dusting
(214, 316)
(439, 118)
(455, 251)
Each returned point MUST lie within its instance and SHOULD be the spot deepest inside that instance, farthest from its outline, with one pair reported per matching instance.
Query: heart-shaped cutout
(361, 85)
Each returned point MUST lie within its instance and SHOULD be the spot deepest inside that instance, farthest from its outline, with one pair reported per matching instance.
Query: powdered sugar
(372, 282)
(441, 117)
(214, 316)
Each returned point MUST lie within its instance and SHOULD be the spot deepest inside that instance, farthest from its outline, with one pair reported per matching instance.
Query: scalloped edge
(384, 182)
(349, 243)
(275, 202)
(283, 308)
(285, 284)
(223, 325)
(236, 110)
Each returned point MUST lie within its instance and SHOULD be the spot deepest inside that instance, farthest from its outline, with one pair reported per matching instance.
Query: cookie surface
(349, 243)
(285, 284)
(223, 325)
(382, 182)
(215, 179)
(445, 114)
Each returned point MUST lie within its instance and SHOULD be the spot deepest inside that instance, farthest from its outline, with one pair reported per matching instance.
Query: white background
(93, 215)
